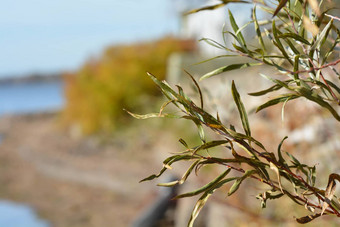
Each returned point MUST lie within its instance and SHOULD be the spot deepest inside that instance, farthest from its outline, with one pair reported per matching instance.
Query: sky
(52, 36)
(46, 36)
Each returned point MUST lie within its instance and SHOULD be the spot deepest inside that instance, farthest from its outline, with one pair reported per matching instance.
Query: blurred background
(71, 156)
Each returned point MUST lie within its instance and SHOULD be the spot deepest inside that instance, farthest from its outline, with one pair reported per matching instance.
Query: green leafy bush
(98, 92)
(304, 38)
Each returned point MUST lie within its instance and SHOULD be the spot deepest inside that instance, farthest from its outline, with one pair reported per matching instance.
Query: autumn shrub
(97, 93)
(304, 42)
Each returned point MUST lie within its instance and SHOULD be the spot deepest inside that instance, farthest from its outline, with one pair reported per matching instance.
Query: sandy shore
(74, 182)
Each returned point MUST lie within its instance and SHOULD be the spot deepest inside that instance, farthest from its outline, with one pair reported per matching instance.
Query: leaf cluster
(303, 44)
(256, 165)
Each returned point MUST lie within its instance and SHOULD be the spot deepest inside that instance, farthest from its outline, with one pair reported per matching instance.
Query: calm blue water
(18, 215)
(19, 98)
(31, 97)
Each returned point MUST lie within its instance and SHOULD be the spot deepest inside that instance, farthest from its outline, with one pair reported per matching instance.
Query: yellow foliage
(98, 92)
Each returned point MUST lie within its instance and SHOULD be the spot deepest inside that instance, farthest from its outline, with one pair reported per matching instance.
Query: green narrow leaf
(239, 180)
(283, 110)
(266, 91)
(228, 68)
(200, 130)
(279, 82)
(168, 184)
(275, 101)
(235, 27)
(301, 28)
(240, 136)
(296, 68)
(294, 160)
(294, 36)
(182, 95)
(165, 105)
(322, 36)
(241, 49)
(184, 177)
(152, 115)
(330, 83)
(280, 6)
(313, 175)
(197, 86)
(214, 43)
(262, 171)
(188, 172)
(213, 7)
(164, 87)
(271, 11)
(218, 117)
(278, 43)
(209, 144)
(182, 141)
(166, 90)
(214, 58)
(281, 159)
(241, 109)
(205, 187)
(258, 31)
(205, 8)
(243, 27)
(198, 207)
(292, 46)
(203, 199)
(166, 165)
(331, 51)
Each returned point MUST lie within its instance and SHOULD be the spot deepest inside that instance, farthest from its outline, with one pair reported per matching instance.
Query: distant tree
(97, 93)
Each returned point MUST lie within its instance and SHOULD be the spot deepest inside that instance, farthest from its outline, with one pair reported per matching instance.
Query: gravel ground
(72, 181)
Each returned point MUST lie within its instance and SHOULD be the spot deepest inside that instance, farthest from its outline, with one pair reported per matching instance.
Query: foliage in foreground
(304, 42)
(96, 93)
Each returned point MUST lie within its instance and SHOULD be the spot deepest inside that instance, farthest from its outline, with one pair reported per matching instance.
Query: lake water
(20, 98)
(31, 97)
(18, 215)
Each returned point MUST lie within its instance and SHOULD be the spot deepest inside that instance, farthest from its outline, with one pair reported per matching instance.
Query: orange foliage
(98, 92)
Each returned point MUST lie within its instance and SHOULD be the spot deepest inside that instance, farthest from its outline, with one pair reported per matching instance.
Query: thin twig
(333, 17)
(317, 68)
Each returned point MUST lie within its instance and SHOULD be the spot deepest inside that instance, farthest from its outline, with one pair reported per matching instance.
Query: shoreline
(85, 182)
(32, 78)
